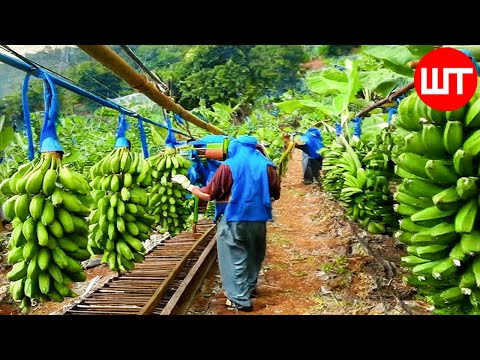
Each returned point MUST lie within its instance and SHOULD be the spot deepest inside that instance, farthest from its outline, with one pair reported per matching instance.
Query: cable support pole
(35, 71)
(112, 61)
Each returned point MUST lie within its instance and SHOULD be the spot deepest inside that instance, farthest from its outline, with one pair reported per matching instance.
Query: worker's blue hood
(250, 198)
(313, 142)
(315, 133)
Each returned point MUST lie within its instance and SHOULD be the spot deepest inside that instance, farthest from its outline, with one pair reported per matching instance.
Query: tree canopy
(234, 73)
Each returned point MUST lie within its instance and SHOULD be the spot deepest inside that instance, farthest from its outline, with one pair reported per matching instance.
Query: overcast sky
(24, 49)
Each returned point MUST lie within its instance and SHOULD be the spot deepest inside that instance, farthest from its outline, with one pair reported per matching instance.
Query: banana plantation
(399, 170)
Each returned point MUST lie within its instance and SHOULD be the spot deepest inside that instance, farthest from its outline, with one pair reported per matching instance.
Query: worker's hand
(182, 180)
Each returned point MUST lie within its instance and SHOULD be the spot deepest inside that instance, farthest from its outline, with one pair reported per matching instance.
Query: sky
(24, 49)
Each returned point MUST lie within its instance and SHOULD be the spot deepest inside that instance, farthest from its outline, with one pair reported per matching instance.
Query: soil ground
(315, 265)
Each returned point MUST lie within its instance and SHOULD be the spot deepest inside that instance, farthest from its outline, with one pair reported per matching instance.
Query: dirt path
(316, 265)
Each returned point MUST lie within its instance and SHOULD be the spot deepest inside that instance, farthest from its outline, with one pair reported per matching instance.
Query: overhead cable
(158, 82)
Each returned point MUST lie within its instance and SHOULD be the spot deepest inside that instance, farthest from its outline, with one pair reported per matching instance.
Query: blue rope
(121, 140)
(178, 119)
(391, 111)
(357, 128)
(170, 140)
(143, 139)
(26, 118)
(338, 129)
(48, 136)
(399, 98)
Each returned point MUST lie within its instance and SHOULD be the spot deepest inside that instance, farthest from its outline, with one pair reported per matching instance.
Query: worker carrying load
(206, 155)
(310, 143)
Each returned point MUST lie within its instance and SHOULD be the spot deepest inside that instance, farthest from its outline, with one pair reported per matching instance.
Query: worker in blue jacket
(310, 143)
(243, 186)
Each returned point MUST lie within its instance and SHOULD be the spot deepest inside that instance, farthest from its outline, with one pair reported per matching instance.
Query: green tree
(98, 80)
(11, 105)
(235, 74)
(335, 50)
(158, 57)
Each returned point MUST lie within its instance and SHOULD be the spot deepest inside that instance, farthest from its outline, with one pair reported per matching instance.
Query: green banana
(472, 116)
(441, 173)
(413, 163)
(463, 163)
(456, 115)
(407, 116)
(467, 187)
(446, 197)
(453, 136)
(470, 243)
(465, 218)
(406, 224)
(432, 212)
(414, 143)
(443, 233)
(405, 210)
(445, 269)
(420, 202)
(472, 144)
(436, 116)
(432, 138)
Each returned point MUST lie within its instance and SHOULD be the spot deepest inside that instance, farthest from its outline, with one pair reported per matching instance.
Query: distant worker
(310, 143)
(243, 186)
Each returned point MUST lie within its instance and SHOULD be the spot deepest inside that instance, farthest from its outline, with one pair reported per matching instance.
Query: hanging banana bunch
(168, 201)
(47, 208)
(438, 200)
(119, 223)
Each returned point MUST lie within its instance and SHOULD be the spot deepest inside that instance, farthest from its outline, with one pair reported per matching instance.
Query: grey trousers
(311, 169)
(241, 250)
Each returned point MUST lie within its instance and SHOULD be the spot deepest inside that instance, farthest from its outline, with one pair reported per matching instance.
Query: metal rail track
(165, 283)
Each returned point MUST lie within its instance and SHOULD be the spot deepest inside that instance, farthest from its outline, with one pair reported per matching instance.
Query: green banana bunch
(332, 179)
(119, 222)
(167, 200)
(47, 209)
(357, 175)
(438, 200)
(374, 202)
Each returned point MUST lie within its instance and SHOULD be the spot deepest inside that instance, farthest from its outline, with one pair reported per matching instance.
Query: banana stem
(282, 164)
